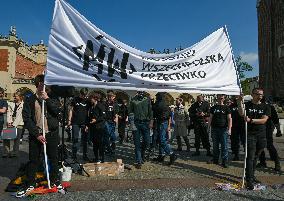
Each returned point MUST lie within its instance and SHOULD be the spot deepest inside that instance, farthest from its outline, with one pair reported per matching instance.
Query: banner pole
(246, 125)
(44, 145)
(246, 147)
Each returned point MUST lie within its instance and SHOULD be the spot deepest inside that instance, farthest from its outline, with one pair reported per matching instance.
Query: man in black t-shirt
(199, 113)
(270, 126)
(78, 119)
(238, 130)
(257, 114)
(3, 108)
(220, 122)
(122, 120)
(111, 111)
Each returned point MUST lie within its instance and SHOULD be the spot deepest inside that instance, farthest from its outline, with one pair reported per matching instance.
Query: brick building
(19, 64)
(271, 46)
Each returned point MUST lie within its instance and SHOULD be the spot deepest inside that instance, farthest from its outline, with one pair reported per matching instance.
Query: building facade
(271, 46)
(19, 64)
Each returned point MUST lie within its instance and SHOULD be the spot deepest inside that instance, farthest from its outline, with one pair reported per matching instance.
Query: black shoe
(173, 158)
(23, 192)
(261, 165)
(236, 158)
(225, 164)
(197, 153)
(179, 149)
(138, 166)
(86, 158)
(159, 159)
(209, 153)
(277, 166)
(278, 134)
(212, 161)
(113, 146)
(59, 187)
(249, 185)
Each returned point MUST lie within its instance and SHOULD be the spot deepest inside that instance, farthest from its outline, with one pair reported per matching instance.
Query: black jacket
(98, 113)
(52, 113)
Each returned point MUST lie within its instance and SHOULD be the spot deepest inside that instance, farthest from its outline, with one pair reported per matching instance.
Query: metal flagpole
(44, 144)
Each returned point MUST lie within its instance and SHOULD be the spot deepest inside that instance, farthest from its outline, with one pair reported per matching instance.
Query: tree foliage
(242, 67)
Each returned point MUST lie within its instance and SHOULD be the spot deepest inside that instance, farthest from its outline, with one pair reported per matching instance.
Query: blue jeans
(220, 136)
(143, 131)
(163, 138)
(75, 139)
(109, 136)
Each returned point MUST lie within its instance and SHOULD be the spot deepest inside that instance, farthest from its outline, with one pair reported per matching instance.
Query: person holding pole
(257, 114)
(33, 121)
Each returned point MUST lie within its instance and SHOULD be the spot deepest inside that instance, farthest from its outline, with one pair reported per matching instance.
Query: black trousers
(237, 137)
(201, 135)
(121, 130)
(256, 144)
(186, 140)
(98, 145)
(271, 149)
(36, 157)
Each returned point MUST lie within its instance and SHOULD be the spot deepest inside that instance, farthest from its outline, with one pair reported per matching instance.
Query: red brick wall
(27, 67)
(4, 56)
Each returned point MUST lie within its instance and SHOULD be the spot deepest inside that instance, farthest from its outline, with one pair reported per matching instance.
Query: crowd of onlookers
(154, 125)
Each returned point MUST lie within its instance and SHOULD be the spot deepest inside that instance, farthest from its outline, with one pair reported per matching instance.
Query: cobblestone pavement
(189, 178)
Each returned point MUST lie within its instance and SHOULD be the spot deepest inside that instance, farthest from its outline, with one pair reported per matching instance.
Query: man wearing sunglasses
(257, 114)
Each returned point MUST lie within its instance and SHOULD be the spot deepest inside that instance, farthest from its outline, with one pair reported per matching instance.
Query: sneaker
(197, 153)
(59, 187)
(138, 166)
(261, 165)
(24, 191)
(173, 158)
(159, 158)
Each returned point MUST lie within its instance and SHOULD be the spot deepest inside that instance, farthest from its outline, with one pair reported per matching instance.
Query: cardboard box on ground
(106, 168)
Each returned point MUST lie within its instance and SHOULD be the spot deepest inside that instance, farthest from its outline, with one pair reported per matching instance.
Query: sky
(146, 24)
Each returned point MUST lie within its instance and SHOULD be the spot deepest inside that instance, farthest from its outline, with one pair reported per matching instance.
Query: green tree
(242, 67)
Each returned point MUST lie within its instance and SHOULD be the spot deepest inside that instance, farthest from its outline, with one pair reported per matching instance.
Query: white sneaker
(24, 191)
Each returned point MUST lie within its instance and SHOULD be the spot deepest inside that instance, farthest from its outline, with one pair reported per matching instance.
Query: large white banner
(80, 54)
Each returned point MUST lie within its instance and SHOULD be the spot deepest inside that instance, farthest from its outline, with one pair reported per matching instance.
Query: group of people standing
(154, 124)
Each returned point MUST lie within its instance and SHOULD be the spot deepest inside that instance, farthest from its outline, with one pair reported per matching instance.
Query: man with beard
(199, 113)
